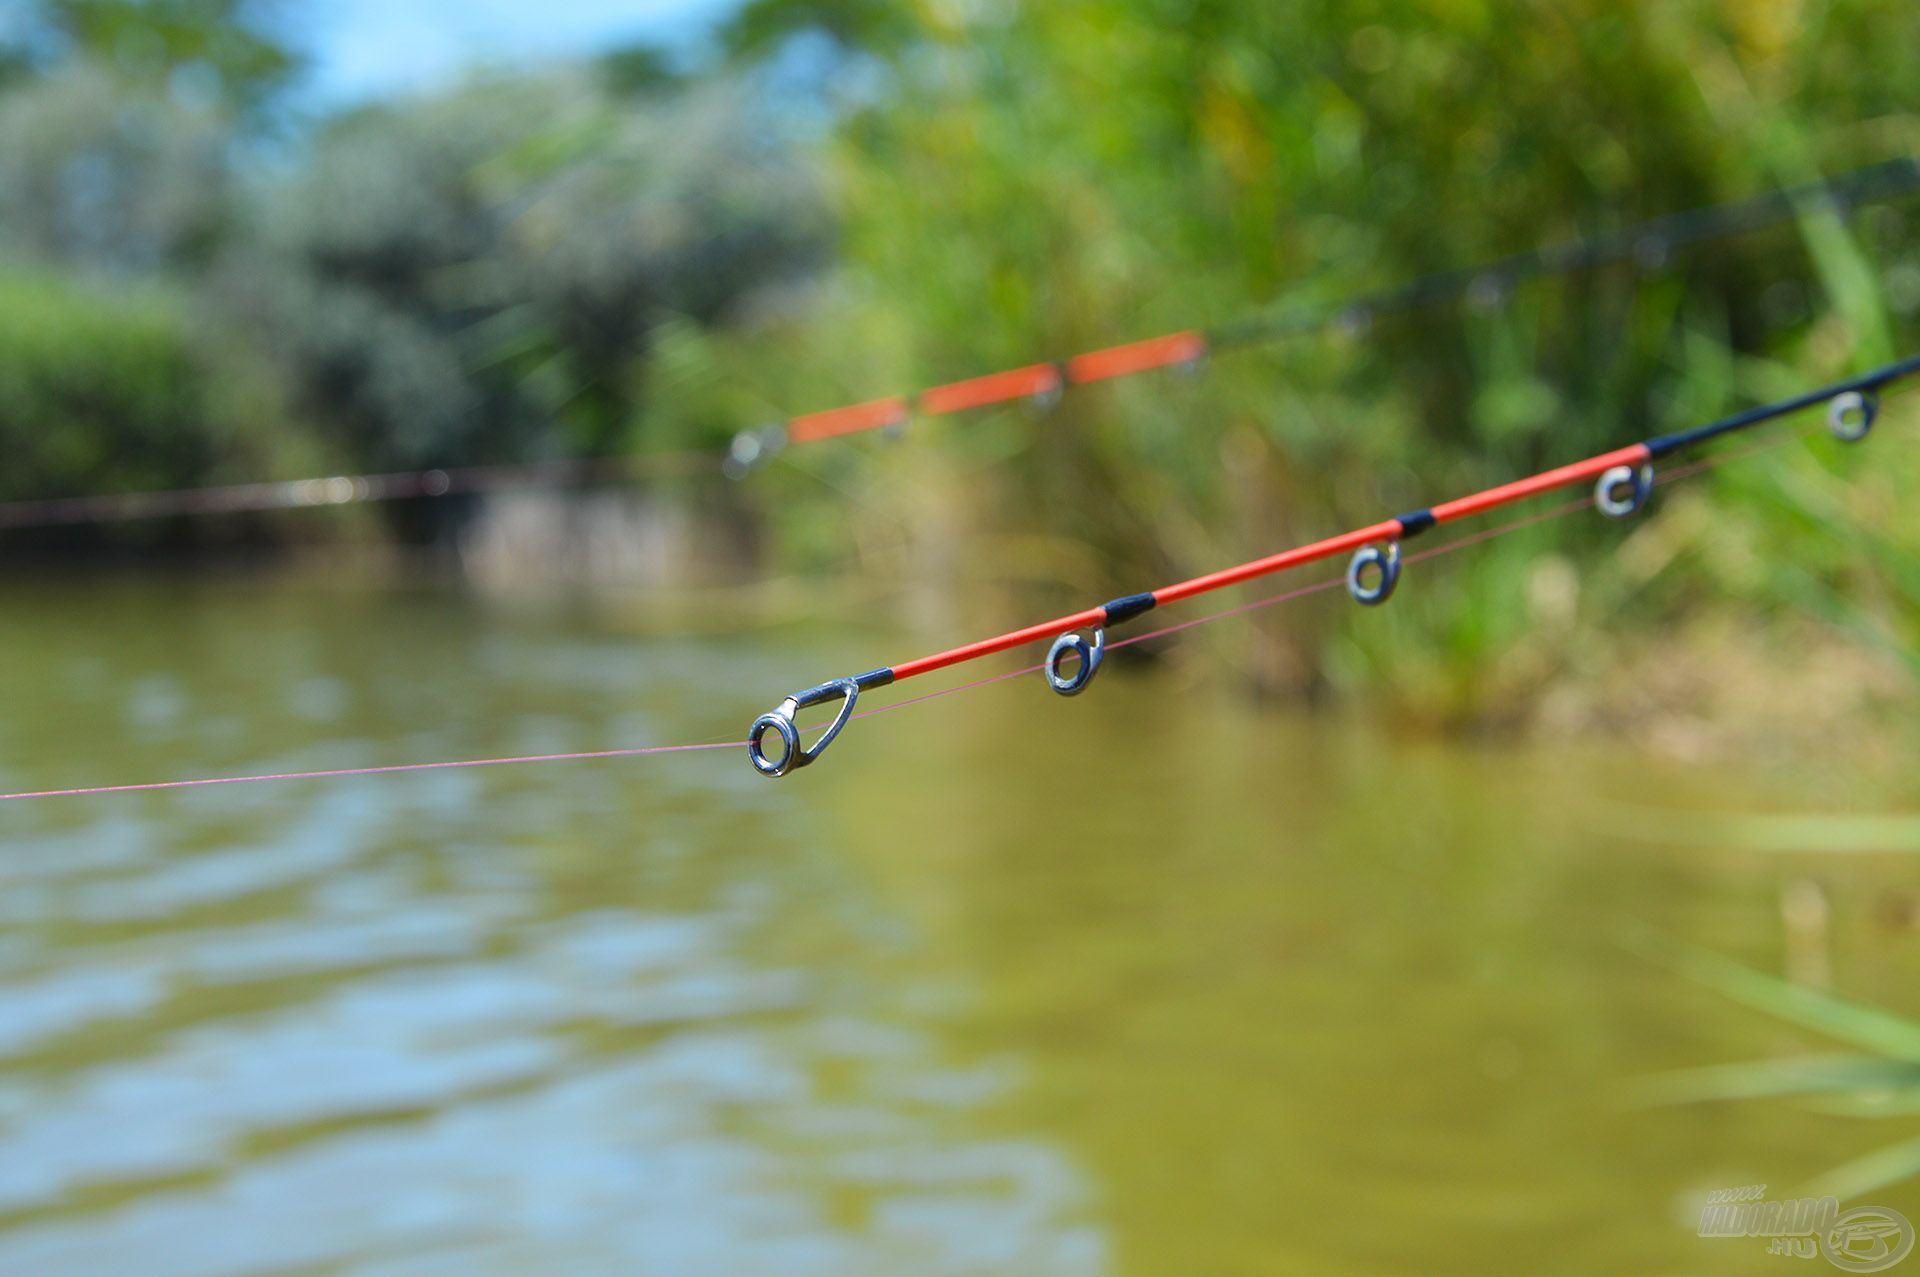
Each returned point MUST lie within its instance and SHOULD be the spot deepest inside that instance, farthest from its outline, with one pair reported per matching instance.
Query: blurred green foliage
(468, 277)
(764, 29)
(1024, 181)
(848, 199)
(478, 276)
(209, 49)
(104, 177)
(1880, 1079)
(120, 391)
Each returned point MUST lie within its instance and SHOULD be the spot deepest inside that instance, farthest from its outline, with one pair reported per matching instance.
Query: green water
(1150, 982)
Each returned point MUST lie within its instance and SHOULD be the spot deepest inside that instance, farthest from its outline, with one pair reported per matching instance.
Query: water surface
(1150, 982)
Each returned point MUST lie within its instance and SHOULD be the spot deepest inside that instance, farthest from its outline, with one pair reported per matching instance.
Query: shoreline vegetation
(647, 252)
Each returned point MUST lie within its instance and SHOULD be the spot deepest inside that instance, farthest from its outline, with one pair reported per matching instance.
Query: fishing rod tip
(779, 720)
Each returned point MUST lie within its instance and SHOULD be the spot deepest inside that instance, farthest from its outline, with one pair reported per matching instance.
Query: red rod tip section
(1545, 481)
(1139, 356)
(999, 387)
(1387, 531)
(987, 647)
(872, 415)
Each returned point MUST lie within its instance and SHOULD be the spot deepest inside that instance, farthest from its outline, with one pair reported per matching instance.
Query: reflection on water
(1154, 984)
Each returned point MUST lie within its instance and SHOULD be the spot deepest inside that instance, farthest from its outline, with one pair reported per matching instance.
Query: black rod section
(1664, 444)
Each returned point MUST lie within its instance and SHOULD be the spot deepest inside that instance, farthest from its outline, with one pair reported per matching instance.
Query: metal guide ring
(1622, 490)
(1090, 654)
(780, 720)
(1047, 397)
(790, 750)
(1387, 563)
(750, 448)
(1850, 415)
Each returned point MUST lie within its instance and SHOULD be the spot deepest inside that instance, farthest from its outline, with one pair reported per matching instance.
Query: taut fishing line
(336, 490)
(1649, 244)
(1624, 479)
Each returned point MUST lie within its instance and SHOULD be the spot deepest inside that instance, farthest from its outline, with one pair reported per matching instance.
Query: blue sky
(364, 49)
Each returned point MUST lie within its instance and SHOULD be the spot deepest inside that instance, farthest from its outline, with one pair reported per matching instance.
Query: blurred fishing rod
(1623, 479)
(1622, 488)
(1650, 244)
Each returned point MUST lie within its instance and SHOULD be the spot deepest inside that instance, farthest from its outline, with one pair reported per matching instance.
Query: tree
(477, 276)
(761, 28)
(225, 50)
(108, 176)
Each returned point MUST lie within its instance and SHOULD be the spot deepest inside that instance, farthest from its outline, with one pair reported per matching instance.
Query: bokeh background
(1328, 940)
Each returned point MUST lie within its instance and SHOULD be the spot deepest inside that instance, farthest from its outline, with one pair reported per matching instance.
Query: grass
(1879, 1078)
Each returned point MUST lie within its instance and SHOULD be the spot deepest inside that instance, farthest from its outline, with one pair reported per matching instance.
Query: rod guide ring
(793, 755)
(1850, 415)
(1072, 644)
(1622, 490)
(1383, 563)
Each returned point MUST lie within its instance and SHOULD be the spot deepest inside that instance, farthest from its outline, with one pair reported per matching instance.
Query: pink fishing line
(369, 771)
(332, 490)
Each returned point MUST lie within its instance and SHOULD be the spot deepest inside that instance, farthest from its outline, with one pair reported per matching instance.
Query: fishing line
(337, 772)
(338, 490)
(1843, 423)
(1650, 243)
